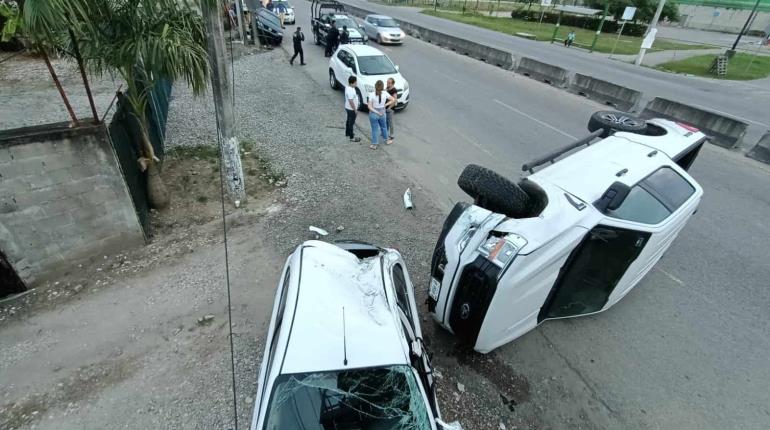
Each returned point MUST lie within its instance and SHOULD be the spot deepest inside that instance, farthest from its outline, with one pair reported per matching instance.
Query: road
(739, 99)
(688, 348)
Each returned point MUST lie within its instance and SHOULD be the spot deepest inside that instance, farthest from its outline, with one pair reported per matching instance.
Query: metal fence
(125, 134)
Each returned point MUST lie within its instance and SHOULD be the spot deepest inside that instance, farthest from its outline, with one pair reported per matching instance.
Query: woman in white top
(379, 102)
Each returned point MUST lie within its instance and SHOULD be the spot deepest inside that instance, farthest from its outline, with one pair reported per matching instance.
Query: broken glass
(384, 398)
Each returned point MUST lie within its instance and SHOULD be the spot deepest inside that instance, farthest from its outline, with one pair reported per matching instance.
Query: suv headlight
(465, 238)
(501, 250)
(406, 85)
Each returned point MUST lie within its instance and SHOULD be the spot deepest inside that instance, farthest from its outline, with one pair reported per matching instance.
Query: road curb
(761, 151)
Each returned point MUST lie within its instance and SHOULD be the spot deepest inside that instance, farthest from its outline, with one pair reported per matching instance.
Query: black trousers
(351, 121)
(301, 54)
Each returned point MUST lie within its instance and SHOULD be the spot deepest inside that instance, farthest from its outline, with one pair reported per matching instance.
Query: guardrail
(761, 151)
(723, 130)
(544, 72)
(606, 92)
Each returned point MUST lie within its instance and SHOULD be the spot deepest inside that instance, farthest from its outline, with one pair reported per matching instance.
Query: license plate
(435, 287)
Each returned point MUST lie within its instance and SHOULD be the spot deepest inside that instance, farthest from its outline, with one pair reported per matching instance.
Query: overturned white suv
(344, 349)
(570, 239)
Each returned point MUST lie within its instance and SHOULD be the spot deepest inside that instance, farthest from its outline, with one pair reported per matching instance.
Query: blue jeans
(378, 122)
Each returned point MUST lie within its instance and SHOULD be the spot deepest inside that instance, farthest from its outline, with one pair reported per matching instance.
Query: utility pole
(601, 24)
(223, 103)
(241, 28)
(731, 52)
(651, 30)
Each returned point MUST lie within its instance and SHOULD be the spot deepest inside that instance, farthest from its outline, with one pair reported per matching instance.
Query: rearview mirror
(613, 197)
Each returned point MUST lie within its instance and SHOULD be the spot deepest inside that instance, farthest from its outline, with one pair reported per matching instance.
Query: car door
(369, 26)
(679, 197)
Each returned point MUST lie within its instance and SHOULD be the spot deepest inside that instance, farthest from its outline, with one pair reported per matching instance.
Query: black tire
(611, 121)
(494, 192)
(333, 80)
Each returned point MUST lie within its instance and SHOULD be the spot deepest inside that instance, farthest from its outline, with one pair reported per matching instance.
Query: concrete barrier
(545, 72)
(761, 151)
(494, 56)
(724, 131)
(605, 92)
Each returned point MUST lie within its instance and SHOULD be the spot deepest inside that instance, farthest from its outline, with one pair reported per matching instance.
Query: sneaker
(355, 139)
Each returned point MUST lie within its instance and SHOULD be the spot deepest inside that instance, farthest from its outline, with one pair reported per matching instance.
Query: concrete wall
(62, 199)
(729, 20)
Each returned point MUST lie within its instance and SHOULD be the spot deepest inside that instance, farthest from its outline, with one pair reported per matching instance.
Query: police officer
(344, 37)
(298, 38)
(332, 39)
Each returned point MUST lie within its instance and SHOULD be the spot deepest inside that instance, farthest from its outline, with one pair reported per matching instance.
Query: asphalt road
(688, 348)
(742, 100)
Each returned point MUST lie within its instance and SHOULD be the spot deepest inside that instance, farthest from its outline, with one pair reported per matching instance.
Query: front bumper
(464, 283)
(389, 38)
(403, 99)
(289, 19)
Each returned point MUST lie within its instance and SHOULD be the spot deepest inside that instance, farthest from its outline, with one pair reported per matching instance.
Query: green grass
(544, 32)
(740, 67)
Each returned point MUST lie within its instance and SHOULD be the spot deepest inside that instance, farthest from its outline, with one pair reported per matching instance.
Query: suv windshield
(655, 198)
(387, 22)
(376, 65)
(384, 398)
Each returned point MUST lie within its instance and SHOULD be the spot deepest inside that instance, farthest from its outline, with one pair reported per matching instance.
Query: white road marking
(730, 115)
(672, 277)
(471, 141)
(447, 76)
(564, 133)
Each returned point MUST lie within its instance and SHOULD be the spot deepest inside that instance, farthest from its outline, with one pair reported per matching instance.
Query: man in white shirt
(351, 108)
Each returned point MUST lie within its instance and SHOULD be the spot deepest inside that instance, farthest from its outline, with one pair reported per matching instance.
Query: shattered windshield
(384, 398)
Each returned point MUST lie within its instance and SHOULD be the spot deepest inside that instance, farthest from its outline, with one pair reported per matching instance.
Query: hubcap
(619, 119)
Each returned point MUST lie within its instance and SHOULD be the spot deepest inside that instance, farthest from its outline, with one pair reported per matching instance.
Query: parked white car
(383, 29)
(369, 65)
(344, 348)
(571, 239)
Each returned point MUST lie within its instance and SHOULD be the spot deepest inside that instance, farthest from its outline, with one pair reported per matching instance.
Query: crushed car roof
(332, 279)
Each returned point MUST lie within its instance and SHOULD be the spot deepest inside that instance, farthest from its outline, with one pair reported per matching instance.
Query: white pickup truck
(570, 239)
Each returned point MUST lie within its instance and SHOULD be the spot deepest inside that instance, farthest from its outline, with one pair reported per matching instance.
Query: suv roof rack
(552, 156)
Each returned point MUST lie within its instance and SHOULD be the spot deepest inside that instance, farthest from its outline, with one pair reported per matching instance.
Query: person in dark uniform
(298, 38)
(332, 39)
(344, 37)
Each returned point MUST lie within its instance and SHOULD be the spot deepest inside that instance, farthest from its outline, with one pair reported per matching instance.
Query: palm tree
(143, 41)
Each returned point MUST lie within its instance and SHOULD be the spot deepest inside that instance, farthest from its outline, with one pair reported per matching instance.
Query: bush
(586, 22)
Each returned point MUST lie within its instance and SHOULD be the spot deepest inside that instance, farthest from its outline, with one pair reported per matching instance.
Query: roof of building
(331, 280)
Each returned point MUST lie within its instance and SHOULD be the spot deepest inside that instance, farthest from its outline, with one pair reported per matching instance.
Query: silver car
(383, 29)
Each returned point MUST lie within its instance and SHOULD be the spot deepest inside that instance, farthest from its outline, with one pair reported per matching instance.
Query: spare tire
(610, 120)
(494, 192)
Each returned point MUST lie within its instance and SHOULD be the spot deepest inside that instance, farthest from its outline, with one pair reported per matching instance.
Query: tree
(143, 41)
(645, 8)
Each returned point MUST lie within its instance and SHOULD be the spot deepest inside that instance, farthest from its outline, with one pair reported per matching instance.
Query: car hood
(354, 33)
(371, 80)
(389, 29)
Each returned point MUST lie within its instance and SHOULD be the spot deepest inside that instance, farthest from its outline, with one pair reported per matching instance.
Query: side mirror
(397, 68)
(613, 197)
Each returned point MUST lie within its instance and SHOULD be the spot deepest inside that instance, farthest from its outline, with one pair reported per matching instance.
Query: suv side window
(655, 198)
(342, 55)
(402, 294)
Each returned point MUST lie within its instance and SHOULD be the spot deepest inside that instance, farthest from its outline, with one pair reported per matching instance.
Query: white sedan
(369, 65)
(344, 349)
(383, 29)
